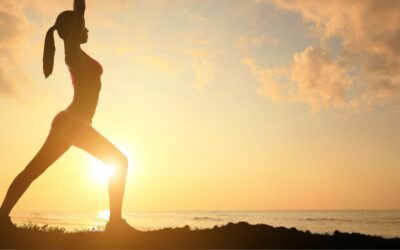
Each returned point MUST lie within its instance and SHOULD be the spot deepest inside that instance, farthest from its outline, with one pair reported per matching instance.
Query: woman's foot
(119, 226)
(6, 224)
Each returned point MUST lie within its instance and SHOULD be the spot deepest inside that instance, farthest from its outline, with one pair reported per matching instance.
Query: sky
(228, 104)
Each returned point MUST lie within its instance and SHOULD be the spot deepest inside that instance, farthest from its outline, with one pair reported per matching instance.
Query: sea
(381, 223)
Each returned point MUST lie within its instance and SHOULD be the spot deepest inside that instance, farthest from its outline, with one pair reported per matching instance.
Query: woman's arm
(74, 41)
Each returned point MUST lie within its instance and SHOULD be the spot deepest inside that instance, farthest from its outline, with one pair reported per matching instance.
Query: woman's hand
(79, 6)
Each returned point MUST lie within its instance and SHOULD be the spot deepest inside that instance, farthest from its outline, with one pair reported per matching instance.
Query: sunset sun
(100, 172)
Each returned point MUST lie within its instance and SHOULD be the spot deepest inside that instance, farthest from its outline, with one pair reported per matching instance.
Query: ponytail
(49, 51)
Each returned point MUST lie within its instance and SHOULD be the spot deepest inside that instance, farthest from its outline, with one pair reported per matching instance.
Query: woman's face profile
(84, 34)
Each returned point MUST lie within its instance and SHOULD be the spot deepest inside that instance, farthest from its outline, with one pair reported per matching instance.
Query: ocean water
(382, 223)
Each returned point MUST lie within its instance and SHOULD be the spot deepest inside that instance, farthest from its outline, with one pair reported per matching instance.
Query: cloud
(14, 31)
(195, 38)
(249, 41)
(197, 53)
(163, 64)
(320, 81)
(194, 17)
(99, 13)
(369, 32)
(204, 66)
(269, 80)
(202, 52)
(312, 77)
(205, 72)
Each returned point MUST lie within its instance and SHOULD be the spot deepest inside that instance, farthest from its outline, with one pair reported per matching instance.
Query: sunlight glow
(103, 214)
(100, 172)
(129, 153)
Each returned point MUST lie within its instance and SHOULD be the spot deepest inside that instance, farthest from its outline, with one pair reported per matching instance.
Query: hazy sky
(228, 104)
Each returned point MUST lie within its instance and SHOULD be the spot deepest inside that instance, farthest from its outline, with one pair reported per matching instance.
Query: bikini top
(92, 69)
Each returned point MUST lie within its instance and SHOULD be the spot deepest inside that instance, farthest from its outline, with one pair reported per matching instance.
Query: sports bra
(93, 69)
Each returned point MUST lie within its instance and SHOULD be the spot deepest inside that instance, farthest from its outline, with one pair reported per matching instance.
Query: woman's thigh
(52, 149)
(58, 141)
(97, 145)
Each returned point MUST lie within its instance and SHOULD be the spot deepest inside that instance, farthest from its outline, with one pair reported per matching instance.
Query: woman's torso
(86, 79)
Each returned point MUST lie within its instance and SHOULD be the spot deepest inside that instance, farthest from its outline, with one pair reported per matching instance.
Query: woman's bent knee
(124, 162)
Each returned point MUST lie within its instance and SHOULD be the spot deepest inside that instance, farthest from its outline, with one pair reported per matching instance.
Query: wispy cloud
(193, 16)
(202, 52)
(205, 72)
(268, 79)
(250, 41)
(195, 38)
(161, 63)
(204, 66)
(14, 32)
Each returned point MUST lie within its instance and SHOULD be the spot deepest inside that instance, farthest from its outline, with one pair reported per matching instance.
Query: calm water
(383, 223)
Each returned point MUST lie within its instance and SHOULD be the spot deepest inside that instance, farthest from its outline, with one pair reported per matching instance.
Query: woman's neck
(65, 47)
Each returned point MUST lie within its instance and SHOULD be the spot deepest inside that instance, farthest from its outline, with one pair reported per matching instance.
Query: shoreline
(379, 223)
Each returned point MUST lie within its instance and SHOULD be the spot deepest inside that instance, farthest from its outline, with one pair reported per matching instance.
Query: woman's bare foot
(119, 226)
(6, 224)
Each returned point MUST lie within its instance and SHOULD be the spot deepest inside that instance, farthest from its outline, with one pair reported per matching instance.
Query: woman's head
(63, 25)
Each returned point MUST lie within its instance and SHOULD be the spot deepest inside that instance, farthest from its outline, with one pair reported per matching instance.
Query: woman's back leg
(57, 143)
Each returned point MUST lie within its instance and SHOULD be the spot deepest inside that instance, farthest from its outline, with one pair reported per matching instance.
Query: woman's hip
(66, 124)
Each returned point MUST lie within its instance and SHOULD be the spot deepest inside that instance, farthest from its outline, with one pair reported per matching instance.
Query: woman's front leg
(97, 145)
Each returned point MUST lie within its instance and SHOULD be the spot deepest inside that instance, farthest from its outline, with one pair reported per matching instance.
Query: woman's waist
(88, 79)
(82, 113)
(87, 86)
(83, 95)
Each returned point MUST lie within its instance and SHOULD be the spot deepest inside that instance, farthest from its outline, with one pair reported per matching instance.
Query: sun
(100, 172)
(103, 214)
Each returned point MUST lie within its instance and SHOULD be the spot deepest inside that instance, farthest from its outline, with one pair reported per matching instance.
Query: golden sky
(228, 104)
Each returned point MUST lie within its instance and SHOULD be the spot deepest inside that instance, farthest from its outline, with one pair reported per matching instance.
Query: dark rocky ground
(238, 235)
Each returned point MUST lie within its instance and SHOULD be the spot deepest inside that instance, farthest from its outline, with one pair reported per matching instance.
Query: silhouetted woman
(72, 126)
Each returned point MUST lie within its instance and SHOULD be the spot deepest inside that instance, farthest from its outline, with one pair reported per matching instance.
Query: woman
(72, 127)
